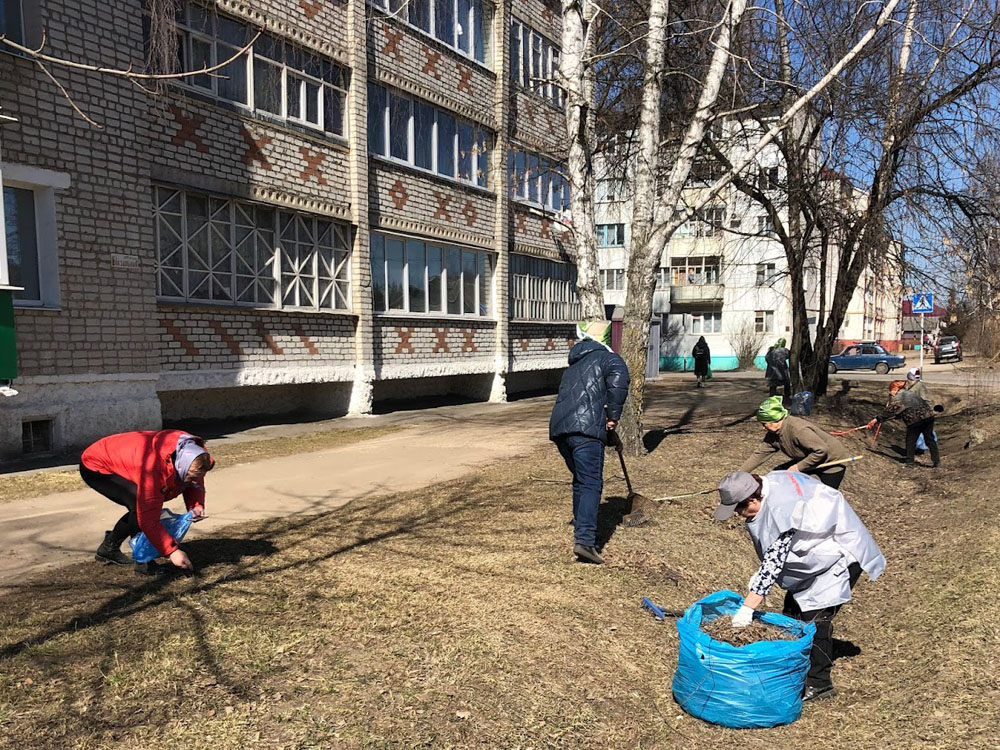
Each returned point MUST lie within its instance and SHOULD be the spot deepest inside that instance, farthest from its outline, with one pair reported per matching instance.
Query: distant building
(933, 323)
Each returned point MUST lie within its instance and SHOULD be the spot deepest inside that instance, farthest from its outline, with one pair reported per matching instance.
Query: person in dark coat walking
(702, 358)
(777, 374)
(589, 405)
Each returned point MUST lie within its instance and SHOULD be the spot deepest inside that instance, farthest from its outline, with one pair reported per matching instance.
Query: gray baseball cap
(734, 488)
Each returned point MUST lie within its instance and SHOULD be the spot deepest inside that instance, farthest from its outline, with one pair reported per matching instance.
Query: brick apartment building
(358, 208)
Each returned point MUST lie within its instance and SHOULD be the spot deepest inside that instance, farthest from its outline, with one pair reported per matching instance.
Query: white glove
(743, 617)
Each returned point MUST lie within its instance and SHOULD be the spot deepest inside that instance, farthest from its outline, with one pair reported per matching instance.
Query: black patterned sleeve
(770, 568)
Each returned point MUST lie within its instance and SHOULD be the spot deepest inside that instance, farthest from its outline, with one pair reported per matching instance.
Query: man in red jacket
(141, 471)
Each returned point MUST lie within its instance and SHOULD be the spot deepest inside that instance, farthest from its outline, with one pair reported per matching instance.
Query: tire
(937, 361)
(881, 368)
(831, 368)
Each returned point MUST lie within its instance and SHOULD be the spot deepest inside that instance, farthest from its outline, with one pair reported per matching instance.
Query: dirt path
(51, 530)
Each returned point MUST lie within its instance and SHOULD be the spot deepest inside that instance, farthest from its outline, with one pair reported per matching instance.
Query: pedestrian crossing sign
(923, 303)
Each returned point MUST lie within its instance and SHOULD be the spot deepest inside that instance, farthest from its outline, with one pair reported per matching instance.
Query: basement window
(36, 436)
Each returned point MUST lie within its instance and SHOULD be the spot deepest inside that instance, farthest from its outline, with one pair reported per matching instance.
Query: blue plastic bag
(757, 685)
(802, 404)
(176, 525)
(922, 444)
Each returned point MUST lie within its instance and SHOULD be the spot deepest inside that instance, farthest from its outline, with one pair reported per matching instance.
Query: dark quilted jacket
(596, 377)
(909, 406)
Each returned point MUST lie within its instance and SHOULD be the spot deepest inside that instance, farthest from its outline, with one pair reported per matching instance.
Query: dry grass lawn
(35, 484)
(454, 618)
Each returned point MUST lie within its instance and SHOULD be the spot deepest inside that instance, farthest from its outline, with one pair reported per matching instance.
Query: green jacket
(801, 441)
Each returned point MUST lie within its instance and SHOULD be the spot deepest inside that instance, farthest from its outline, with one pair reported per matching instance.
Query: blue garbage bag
(176, 525)
(802, 404)
(922, 444)
(757, 685)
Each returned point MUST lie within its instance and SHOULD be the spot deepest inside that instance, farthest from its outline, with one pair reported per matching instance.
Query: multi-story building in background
(358, 207)
(724, 274)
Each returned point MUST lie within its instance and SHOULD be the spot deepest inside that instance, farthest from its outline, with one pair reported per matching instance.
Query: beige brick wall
(540, 345)
(534, 234)
(319, 25)
(423, 341)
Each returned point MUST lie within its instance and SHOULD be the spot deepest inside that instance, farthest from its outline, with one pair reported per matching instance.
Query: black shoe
(153, 569)
(587, 554)
(110, 553)
(813, 693)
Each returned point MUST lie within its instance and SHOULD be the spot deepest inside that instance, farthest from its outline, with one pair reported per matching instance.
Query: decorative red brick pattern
(392, 39)
(188, 132)
(469, 212)
(269, 339)
(306, 341)
(550, 344)
(405, 346)
(544, 232)
(525, 343)
(255, 148)
(313, 162)
(398, 194)
(441, 341)
(432, 58)
(469, 345)
(311, 9)
(529, 110)
(547, 15)
(222, 333)
(179, 337)
(443, 199)
(464, 79)
(520, 221)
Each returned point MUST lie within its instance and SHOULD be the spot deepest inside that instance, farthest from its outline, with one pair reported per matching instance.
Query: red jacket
(145, 459)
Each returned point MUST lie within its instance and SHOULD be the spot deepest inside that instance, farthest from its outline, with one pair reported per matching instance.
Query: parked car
(948, 347)
(868, 355)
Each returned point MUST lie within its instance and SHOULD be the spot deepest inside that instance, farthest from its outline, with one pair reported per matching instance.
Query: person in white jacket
(812, 544)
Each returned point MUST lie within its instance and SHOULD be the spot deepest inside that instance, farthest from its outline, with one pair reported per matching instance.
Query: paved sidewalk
(434, 445)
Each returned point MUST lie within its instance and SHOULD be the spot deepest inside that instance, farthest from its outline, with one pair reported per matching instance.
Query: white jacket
(829, 536)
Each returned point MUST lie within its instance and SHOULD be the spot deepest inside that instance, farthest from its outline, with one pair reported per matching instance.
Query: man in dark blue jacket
(591, 395)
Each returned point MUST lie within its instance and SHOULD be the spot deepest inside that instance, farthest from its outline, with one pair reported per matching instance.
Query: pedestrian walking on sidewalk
(141, 471)
(812, 544)
(777, 373)
(702, 361)
(589, 405)
(803, 442)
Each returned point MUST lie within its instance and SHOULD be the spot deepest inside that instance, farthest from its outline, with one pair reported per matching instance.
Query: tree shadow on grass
(209, 551)
(652, 439)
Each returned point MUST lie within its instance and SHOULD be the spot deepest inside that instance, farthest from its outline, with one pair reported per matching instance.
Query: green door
(8, 351)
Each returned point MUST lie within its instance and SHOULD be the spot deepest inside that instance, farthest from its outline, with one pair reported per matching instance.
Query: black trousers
(913, 432)
(821, 656)
(118, 490)
(773, 390)
(832, 476)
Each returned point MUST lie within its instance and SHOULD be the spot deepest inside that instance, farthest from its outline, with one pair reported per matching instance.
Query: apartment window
(706, 322)
(212, 249)
(609, 190)
(534, 62)
(763, 321)
(706, 170)
(537, 180)
(30, 236)
(695, 270)
(11, 21)
(414, 132)
(765, 273)
(22, 243)
(709, 222)
(767, 178)
(429, 278)
(611, 235)
(463, 25)
(542, 290)
(273, 78)
(765, 226)
(613, 279)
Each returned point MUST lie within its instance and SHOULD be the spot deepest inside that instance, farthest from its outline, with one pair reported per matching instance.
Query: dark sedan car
(867, 355)
(948, 347)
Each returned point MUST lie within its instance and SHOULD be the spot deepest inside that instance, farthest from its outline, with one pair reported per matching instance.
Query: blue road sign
(923, 303)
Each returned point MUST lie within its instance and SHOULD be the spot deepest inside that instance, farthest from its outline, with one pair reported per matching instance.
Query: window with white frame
(537, 180)
(765, 226)
(611, 235)
(30, 234)
(463, 25)
(706, 322)
(610, 190)
(708, 222)
(273, 78)
(542, 289)
(765, 273)
(211, 249)
(763, 321)
(613, 279)
(416, 133)
(706, 170)
(12, 21)
(695, 270)
(430, 278)
(767, 178)
(534, 62)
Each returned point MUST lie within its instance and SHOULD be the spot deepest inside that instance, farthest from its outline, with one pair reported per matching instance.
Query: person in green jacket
(803, 442)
